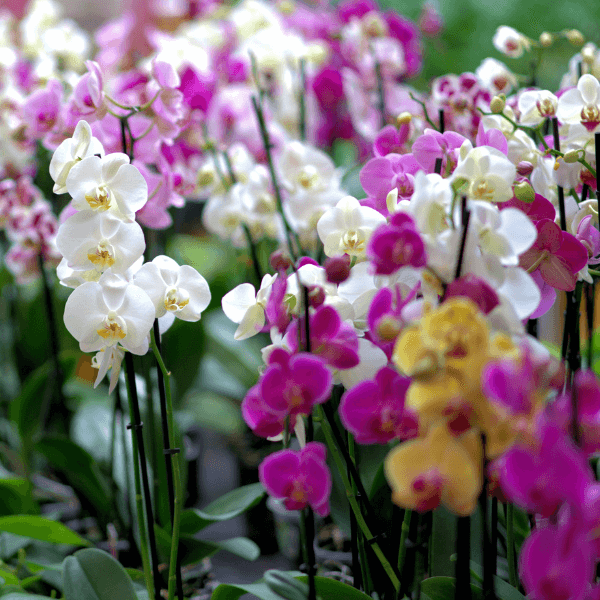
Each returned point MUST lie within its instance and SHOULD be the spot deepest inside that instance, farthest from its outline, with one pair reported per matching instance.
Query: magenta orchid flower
(331, 339)
(291, 385)
(492, 137)
(395, 245)
(391, 140)
(558, 255)
(476, 289)
(556, 563)
(301, 478)
(433, 145)
(541, 479)
(373, 411)
(539, 209)
(589, 236)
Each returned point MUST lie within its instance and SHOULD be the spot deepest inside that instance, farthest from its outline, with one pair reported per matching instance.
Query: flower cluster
(116, 298)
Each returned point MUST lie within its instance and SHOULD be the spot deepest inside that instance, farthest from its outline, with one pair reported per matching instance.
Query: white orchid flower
(91, 240)
(489, 174)
(70, 152)
(179, 290)
(430, 203)
(536, 106)
(108, 312)
(504, 233)
(244, 306)
(105, 359)
(582, 104)
(510, 42)
(347, 227)
(108, 183)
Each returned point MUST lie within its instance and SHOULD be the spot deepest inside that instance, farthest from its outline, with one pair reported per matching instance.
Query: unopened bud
(497, 104)
(572, 156)
(337, 269)
(388, 329)
(404, 118)
(546, 39)
(588, 54)
(280, 261)
(524, 168)
(575, 37)
(459, 183)
(316, 296)
(524, 192)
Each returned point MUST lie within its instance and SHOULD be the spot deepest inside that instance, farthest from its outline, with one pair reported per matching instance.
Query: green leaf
(215, 412)
(9, 578)
(80, 470)
(240, 546)
(15, 496)
(93, 574)
(135, 574)
(226, 507)
(227, 591)
(443, 588)
(330, 589)
(504, 591)
(41, 529)
(22, 596)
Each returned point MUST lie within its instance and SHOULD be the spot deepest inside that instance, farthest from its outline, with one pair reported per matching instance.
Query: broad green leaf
(93, 574)
(444, 588)
(214, 411)
(330, 589)
(504, 591)
(226, 507)
(240, 546)
(80, 470)
(135, 574)
(41, 529)
(8, 577)
(227, 591)
(23, 596)
(15, 496)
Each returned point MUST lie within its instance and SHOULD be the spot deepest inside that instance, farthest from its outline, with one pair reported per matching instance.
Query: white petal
(238, 301)
(83, 179)
(138, 313)
(150, 280)
(588, 87)
(84, 311)
(130, 189)
(518, 229)
(197, 288)
(251, 324)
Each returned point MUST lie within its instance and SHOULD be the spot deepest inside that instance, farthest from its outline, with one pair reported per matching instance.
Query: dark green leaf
(80, 471)
(227, 591)
(504, 591)
(330, 589)
(93, 574)
(215, 412)
(22, 596)
(42, 529)
(226, 507)
(443, 588)
(15, 496)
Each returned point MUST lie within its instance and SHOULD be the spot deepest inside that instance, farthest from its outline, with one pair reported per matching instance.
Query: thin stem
(425, 113)
(488, 567)
(463, 555)
(442, 121)
(155, 337)
(253, 253)
(466, 216)
(380, 93)
(510, 542)
(590, 295)
(302, 101)
(267, 145)
(403, 537)
(494, 544)
(387, 567)
(150, 571)
(561, 192)
(355, 537)
(174, 453)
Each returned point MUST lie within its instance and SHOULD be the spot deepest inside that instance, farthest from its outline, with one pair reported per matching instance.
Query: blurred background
(466, 40)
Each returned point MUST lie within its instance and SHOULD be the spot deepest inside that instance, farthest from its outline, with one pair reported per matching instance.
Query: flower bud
(404, 118)
(337, 269)
(546, 39)
(280, 261)
(588, 53)
(524, 168)
(524, 192)
(316, 296)
(497, 104)
(389, 328)
(572, 156)
(575, 37)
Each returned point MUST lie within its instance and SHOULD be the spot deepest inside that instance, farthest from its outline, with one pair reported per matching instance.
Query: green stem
(139, 505)
(510, 542)
(176, 472)
(358, 540)
(387, 567)
(403, 538)
(267, 145)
